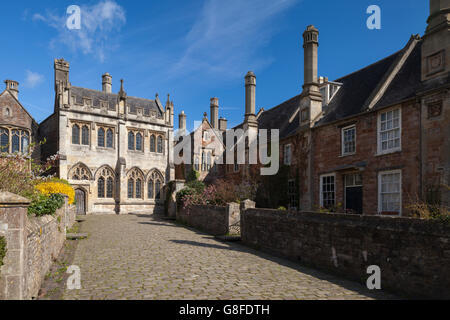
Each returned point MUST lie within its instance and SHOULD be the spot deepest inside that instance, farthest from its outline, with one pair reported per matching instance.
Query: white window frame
(343, 153)
(397, 149)
(380, 204)
(321, 187)
(286, 161)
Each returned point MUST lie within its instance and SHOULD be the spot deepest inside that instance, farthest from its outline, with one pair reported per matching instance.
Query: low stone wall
(413, 254)
(211, 219)
(32, 245)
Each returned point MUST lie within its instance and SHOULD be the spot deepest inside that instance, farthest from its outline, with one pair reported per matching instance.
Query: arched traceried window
(157, 190)
(109, 139)
(150, 187)
(130, 140)
(160, 145)
(139, 142)
(85, 136)
(105, 183)
(75, 134)
(138, 188)
(80, 172)
(15, 141)
(101, 137)
(130, 188)
(4, 140)
(135, 184)
(153, 143)
(101, 187)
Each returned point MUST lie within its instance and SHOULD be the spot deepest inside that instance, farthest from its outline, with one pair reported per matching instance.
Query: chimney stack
(182, 122)
(250, 97)
(215, 113)
(107, 83)
(13, 87)
(310, 45)
(223, 124)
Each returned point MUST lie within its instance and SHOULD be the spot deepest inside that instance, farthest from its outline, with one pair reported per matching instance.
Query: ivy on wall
(2, 249)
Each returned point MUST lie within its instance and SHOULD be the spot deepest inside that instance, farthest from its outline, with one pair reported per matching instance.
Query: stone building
(17, 127)
(114, 149)
(374, 141)
(206, 145)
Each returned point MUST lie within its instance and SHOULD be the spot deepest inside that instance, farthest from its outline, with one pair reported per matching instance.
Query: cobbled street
(142, 257)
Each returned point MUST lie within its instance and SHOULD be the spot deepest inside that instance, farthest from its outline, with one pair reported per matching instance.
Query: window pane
(109, 139)
(138, 188)
(101, 137)
(130, 141)
(130, 188)
(152, 144)
(101, 187)
(15, 143)
(139, 142)
(150, 189)
(4, 140)
(76, 134)
(160, 145)
(110, 188)
(158, 190)
(85, 136)
(25, 142)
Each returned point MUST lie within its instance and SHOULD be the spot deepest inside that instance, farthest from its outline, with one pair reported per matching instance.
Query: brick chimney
(13, 87)
(223, 124)
(214, 113)
(107, 83)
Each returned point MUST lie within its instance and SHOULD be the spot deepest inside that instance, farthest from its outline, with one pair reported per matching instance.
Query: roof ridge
(111, 93)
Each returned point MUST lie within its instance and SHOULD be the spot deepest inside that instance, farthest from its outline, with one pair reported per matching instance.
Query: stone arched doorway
(80, 198)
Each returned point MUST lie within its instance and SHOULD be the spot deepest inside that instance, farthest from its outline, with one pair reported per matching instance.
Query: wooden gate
(80, 197)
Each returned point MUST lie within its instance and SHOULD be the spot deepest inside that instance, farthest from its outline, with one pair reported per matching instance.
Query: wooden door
(80, 197)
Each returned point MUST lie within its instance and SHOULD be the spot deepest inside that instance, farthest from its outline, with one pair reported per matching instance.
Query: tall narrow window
(327, 191)
(130, 140)
(292, 193)
(208, 162)
(153, 143)
(389, 131)
(25, 142)
(4, 140)
(101, 187)
(150, 190)
(349, 140)
(139, 142)
(160, 144)
(101, 137)
(204, 161)
(390, 192)
(109, 138)
(196, 164)
(287, 154)
(130, 188)
(85, 135)
(110, 188)
(75, 134)
(138, 188)
(15, 141)
(158, 190)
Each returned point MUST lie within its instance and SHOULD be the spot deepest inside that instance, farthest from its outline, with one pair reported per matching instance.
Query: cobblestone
(140, 257)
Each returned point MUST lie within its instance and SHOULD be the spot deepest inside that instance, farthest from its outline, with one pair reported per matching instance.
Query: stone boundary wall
(413, 254)
(32, 245)
(211, 219)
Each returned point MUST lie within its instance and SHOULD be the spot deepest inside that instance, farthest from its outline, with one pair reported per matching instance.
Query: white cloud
(228, 35)
(99, 23)
(33, 79)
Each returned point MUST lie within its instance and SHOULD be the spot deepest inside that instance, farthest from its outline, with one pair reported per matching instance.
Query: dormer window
(328, 90)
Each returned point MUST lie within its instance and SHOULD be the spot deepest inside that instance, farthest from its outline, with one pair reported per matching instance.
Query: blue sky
(195, 49)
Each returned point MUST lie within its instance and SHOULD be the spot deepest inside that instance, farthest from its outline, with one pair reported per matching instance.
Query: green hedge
(2, 249)
(46, 205)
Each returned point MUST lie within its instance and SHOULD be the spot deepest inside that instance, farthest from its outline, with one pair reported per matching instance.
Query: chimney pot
(250, 97)
(107, 83)
(214, 112)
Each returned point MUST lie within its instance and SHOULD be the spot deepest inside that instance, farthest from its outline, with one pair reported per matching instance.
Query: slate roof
(112, 99)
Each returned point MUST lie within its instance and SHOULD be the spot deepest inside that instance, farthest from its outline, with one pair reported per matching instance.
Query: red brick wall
(327, 157)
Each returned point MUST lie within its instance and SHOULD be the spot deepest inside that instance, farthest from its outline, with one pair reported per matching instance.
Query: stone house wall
(211, 219)
(32, 245)
(413, 254)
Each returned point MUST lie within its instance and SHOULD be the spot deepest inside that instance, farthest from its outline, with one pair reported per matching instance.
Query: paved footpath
(142, 257)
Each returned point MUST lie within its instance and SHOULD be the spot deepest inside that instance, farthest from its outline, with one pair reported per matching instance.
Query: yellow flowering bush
(49, 188)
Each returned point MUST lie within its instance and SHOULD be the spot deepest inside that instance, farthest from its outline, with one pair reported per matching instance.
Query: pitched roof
(112, 99)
